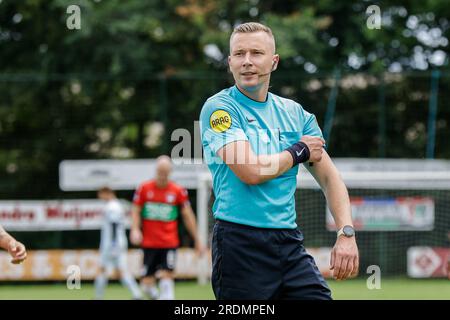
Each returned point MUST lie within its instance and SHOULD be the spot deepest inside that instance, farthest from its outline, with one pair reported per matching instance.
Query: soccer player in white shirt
(113, 246)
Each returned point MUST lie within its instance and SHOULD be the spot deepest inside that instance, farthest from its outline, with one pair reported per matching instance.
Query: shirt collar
(246, 101)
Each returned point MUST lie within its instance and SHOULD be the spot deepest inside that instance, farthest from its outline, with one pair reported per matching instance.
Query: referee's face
(252, 58)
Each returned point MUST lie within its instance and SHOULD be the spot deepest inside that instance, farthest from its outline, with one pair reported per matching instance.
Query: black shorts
(158, 259)
(262, 264)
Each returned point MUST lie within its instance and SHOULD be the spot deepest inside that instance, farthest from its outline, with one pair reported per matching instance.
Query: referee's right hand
(315, 146)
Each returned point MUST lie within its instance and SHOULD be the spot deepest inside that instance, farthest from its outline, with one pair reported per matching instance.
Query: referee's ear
(276, 61)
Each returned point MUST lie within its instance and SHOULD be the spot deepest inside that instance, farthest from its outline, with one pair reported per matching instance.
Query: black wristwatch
(347, 231)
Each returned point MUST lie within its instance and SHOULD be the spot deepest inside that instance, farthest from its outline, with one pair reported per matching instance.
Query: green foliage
(97, 92)
(354, 289)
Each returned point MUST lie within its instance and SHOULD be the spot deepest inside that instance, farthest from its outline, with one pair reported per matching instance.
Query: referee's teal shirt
(270, 127)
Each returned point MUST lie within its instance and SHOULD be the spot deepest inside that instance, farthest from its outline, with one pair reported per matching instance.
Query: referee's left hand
(344, 258)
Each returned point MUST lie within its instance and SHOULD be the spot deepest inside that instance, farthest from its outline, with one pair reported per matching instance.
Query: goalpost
(399, 216)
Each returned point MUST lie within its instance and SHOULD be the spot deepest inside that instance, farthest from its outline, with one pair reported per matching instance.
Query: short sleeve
(220, 124)
(311, 127)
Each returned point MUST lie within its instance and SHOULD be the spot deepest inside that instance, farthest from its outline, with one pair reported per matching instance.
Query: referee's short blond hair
(250, 27)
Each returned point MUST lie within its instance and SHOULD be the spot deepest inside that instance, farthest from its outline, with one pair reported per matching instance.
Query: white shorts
(114, 258)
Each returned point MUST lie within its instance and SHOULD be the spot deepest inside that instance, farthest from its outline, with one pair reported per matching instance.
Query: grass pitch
(355, 289)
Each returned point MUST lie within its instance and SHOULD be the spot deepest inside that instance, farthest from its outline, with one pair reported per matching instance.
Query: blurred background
(109, 79)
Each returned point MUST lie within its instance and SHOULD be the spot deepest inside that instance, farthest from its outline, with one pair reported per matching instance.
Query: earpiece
(273, 69)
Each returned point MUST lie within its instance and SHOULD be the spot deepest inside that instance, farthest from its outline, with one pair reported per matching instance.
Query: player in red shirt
(156, 205)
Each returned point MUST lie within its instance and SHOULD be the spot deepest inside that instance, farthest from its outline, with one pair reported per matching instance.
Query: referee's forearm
(338, 201)
(272, 166)
(251, 168)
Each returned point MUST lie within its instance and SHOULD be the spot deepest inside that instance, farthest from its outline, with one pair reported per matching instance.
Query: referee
(253, 142)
